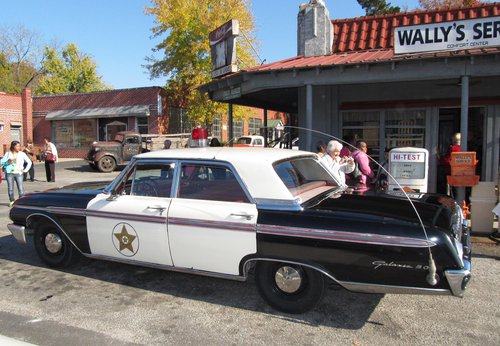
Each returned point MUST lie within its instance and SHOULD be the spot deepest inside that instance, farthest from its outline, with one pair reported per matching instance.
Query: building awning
(272, 123)
(94, 113)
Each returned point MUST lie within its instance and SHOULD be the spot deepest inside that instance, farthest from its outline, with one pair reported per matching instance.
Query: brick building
(74, 121)
(15, 118)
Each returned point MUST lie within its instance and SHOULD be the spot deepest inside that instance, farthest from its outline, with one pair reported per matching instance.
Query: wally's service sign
(458, 35)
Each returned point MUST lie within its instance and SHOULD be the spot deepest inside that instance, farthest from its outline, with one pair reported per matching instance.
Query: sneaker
(11, 204)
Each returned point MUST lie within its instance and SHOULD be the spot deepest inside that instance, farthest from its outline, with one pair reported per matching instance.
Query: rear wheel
(288, 287)
(53, 247)
(106, 164)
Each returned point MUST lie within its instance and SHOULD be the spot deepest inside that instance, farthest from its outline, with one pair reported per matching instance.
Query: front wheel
(106, 164)
(288, 287)
(53, 247)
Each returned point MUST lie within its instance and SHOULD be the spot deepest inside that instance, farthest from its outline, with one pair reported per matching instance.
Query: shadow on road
(84, 167)
(339, 309)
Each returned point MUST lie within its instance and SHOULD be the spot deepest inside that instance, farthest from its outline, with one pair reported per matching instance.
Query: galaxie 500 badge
(384, 264)
(125, 239)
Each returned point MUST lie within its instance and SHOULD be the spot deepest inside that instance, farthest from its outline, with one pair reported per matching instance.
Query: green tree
(68, 71)
(376, 7)
(434, 4)
(186, 62)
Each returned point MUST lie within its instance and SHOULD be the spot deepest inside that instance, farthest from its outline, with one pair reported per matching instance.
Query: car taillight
(199, 138)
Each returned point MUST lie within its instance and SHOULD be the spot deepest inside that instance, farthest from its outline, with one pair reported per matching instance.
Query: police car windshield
(304, 177)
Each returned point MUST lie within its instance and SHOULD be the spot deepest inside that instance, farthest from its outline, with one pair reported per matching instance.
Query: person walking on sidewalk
(29, 150)
(15, 163)
(50, 155)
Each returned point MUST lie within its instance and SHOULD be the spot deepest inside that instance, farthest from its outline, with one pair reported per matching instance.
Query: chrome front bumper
(19, 232)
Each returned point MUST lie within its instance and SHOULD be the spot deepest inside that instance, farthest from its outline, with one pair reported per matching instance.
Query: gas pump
(410, 167)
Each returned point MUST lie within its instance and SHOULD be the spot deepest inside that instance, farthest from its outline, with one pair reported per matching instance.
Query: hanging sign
(223, 48)
(447, 36)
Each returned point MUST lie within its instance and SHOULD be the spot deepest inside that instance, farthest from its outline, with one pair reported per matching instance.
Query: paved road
(103, 303)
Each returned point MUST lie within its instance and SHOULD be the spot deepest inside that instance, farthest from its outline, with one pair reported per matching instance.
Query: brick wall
(27, 114)
(41, 129)
(10, 111)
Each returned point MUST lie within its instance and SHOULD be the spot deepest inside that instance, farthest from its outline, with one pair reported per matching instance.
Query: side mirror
(112, 196)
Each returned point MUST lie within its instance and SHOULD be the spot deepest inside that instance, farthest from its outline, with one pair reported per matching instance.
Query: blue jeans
(11, 177)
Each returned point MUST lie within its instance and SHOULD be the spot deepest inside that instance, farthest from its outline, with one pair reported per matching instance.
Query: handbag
(49, 157)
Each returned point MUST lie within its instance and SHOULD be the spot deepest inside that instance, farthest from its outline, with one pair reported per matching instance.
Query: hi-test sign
(458, 35)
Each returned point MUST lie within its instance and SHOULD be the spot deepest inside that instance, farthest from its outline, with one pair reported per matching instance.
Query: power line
(251, 46)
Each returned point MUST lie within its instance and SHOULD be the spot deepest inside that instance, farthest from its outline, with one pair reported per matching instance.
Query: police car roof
(253, 165)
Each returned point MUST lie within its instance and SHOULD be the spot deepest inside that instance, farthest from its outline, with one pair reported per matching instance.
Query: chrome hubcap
(288, 279)
(53, 243)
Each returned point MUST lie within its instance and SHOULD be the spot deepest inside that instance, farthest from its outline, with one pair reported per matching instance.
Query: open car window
(305, 177)
(148, 179)
(210, 182)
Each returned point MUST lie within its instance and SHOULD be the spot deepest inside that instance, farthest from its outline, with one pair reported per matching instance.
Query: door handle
(157, 207)
(243, 215)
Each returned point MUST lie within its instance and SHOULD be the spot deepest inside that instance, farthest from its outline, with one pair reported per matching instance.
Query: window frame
(222, 164)
(113, 187)
(134, 179)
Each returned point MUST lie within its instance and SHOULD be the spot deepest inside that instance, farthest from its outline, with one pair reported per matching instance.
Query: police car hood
(71, 196)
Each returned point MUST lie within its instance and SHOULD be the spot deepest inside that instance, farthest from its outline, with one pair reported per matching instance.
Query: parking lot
(104, 303)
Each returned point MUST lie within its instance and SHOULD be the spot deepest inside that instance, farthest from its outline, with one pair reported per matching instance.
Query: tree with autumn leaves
(433, 4)
(184, 27)
(377, 7)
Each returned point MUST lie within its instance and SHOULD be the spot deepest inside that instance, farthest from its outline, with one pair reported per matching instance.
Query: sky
(117, 33)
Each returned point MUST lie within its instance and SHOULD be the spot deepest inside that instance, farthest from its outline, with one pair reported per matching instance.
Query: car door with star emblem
(131, 224)
(212, 221)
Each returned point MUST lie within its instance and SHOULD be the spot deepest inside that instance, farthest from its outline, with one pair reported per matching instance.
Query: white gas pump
(410, 167)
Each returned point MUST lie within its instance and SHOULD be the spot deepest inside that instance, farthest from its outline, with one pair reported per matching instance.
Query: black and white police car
(223, 211)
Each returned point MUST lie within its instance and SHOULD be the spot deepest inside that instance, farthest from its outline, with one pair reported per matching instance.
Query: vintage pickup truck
(105, 156)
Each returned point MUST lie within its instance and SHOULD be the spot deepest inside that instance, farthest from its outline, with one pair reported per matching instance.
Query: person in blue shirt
(15, 163)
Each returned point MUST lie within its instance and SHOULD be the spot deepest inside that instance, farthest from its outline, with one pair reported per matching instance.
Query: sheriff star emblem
(125, 239)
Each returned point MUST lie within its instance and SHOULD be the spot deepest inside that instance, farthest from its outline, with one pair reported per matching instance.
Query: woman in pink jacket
(361, 157)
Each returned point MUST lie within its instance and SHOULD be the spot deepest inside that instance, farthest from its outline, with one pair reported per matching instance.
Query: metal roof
(101, 99)
(105, 112)
(370, 39)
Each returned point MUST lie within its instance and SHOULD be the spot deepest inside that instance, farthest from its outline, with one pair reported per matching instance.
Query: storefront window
(85, 134)
(216, 132)
(363, 126)
(254, 125)
(405, 128)
(63, 133)
(179, 121)
(142, 125)
(238, 128)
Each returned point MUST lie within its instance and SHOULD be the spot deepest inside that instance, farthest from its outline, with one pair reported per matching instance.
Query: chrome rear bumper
(458, 279)
(19, 232)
